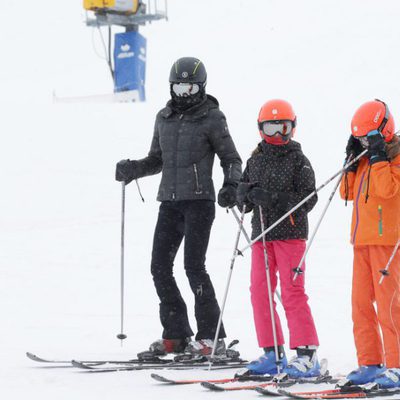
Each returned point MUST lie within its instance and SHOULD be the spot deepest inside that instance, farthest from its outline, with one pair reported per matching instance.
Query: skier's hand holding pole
(125, 172)
(350, 156)
(298, 205)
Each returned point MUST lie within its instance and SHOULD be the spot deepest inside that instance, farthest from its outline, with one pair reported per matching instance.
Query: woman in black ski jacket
(188, 133)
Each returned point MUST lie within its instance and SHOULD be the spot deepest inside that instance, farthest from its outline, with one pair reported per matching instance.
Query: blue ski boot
(305, 364)
(266, 364)
(389, 379)
(364, 374)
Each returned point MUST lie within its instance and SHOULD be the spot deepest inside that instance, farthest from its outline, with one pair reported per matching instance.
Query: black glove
(376, 147)
(262, 197)
(353, 149)
(268, 199)
(227, 196)
(242, 191)
(126, 171)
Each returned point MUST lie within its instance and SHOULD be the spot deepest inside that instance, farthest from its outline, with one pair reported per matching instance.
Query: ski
(278, 380)
(36, 358)
(115, 367)
(267, 391)
(163, 379)
(269, 382)
(148, 358)
(349, 392)
(282, 392)
(140, 361)
(155, 360)
(225, 388)
(170, 365)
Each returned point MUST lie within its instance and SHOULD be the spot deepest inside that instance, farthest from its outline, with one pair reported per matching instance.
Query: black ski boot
(162, 347)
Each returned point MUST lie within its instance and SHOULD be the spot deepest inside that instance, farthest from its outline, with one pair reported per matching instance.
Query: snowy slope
(60, 205)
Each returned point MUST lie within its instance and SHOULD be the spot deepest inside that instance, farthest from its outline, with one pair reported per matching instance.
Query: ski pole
(301, 202)
(270, 297)
(121, 335)
(246, 236)
(298, 269)
(278, 295)
(235, 250)
(385, 271)
(140, 192)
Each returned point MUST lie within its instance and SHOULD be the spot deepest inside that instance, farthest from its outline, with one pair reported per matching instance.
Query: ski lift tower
(128, 72)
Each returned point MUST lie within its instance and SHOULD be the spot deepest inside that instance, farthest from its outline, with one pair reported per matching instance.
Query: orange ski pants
(369, 320)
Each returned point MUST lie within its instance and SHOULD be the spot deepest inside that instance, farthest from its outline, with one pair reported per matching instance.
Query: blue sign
(130, 63)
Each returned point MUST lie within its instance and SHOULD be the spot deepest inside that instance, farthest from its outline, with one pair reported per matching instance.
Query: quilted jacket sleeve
(304, 183)
(224, 147)
(152, 164)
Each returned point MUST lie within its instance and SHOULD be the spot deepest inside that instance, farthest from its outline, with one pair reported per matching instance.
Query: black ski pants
(192, 220)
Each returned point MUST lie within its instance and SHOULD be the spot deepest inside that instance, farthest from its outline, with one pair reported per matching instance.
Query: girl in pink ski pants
(283, 257)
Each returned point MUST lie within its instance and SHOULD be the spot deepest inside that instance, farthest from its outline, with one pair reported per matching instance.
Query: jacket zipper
(356, 204)
(198, 191)
(380, 223)
(176, 162)
(230, 171)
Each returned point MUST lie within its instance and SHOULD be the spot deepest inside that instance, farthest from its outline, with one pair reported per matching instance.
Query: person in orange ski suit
(373, 184)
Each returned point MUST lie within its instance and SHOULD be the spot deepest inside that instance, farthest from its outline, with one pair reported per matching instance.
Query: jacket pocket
(196, 177)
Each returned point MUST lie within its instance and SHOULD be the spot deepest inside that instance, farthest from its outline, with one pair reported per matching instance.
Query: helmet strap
(385, 118)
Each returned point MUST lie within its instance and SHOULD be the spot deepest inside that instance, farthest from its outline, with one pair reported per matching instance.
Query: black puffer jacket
(183, 148)
(282, 169)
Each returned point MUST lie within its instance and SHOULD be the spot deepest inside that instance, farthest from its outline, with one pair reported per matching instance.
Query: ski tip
(269, 392)
(33, 357)
(160, 378)
(262, 390)
(282, 392)
(211, 386)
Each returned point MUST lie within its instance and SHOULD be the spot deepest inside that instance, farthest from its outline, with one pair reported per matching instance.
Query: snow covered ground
(60, 205)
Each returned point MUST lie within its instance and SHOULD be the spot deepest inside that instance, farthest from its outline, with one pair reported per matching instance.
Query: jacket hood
(393, 148)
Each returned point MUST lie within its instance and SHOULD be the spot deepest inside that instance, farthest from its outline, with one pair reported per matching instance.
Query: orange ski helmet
(370, 116)
(274, 111)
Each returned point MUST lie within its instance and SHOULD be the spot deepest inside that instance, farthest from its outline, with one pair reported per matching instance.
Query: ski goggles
(364, 139)
(185, 89)
(279, 127)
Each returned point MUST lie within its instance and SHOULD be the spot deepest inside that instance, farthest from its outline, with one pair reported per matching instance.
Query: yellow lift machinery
(126, 53)
(125, 6)
(126, 13)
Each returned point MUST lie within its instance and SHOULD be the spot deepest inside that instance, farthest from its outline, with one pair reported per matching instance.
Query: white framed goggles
(279, 127)
(185, 89)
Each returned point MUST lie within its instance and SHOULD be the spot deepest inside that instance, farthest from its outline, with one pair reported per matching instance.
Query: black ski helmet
(188, 70)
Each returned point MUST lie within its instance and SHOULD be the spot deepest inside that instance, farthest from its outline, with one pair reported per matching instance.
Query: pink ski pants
(283, 257)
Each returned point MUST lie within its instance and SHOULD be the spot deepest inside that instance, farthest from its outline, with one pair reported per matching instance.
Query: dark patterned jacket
(282, 169)
(184, 146)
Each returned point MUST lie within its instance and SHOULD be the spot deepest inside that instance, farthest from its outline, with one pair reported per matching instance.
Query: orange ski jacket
(376, 218)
